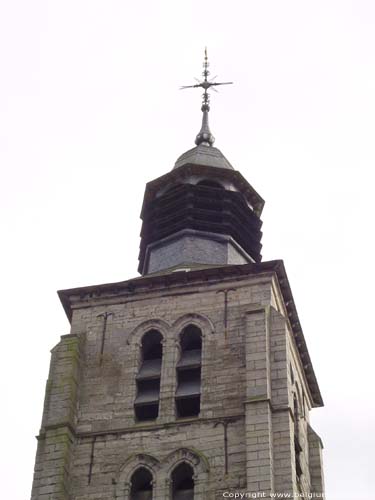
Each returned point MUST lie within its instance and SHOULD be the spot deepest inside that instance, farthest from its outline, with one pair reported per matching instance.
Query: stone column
(158, 489)
(56, 437)
(316, 462)
(168, 381)
(200, 485)
(259, 444)
(282, 419)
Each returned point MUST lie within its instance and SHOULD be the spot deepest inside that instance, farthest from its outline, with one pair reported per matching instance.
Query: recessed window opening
(146, 405)
(209, 183)
(188, 392)
(297, 445)
(191, 338)
(151, 345)
(188, 407)
(303, 405)
(141, 485)
(183, 482)
(296, 415)
(147, 412)
(191, 377)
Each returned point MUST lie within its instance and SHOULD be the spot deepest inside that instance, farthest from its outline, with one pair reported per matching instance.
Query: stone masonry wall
(57, 437)
(243, 437)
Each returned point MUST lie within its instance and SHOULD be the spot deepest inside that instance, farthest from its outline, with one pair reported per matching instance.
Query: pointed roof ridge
(203, 155)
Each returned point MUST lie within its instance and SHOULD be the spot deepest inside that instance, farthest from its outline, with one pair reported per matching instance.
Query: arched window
(188, 393)
(141, 485)
(146, 404)
(183, 482)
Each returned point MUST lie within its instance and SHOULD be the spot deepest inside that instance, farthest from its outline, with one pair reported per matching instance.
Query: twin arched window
(188, 374)
(182, 483)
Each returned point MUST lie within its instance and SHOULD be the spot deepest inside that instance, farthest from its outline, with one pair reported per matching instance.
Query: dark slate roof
(203, 155)
(85, 295)
(187, 169)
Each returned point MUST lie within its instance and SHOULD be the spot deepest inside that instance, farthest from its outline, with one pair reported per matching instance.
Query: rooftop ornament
(205, 136)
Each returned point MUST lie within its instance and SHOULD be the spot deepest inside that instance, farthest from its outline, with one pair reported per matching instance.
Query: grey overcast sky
(90, 110)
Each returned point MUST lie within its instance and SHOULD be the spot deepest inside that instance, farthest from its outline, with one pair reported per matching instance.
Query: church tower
(193, 380)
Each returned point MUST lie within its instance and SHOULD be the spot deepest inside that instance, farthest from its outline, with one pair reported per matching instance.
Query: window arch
(188, 393)
(182, 482)
(146, 404)
(141, 484)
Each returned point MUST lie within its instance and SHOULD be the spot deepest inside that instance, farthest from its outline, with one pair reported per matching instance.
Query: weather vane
(205, 137)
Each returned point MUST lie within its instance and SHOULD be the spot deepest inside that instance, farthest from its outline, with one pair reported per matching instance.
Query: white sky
(90, 111)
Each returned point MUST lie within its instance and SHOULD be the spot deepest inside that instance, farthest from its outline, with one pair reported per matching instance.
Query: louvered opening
(189, 373)
(189, 383)
(203, 208)
(151, 368)
(147, 412)
(148, 391)
(210, 183)
(146, 404)
(190, 359)
(188, 407)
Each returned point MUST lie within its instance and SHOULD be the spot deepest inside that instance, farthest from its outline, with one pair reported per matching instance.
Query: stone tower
(192, 381)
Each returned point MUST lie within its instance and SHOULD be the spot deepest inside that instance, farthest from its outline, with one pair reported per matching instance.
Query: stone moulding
(167, 330)
(161, 471)
(199, 320)
(133, 462)
(150, 324)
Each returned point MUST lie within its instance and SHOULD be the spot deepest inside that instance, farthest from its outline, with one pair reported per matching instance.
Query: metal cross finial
(206, 84)
(205, 137)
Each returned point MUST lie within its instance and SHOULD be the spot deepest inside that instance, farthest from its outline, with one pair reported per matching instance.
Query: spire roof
(204, 153)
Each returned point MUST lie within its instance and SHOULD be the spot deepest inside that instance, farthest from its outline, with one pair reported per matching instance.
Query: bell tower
(203, 212)
(192, 380)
